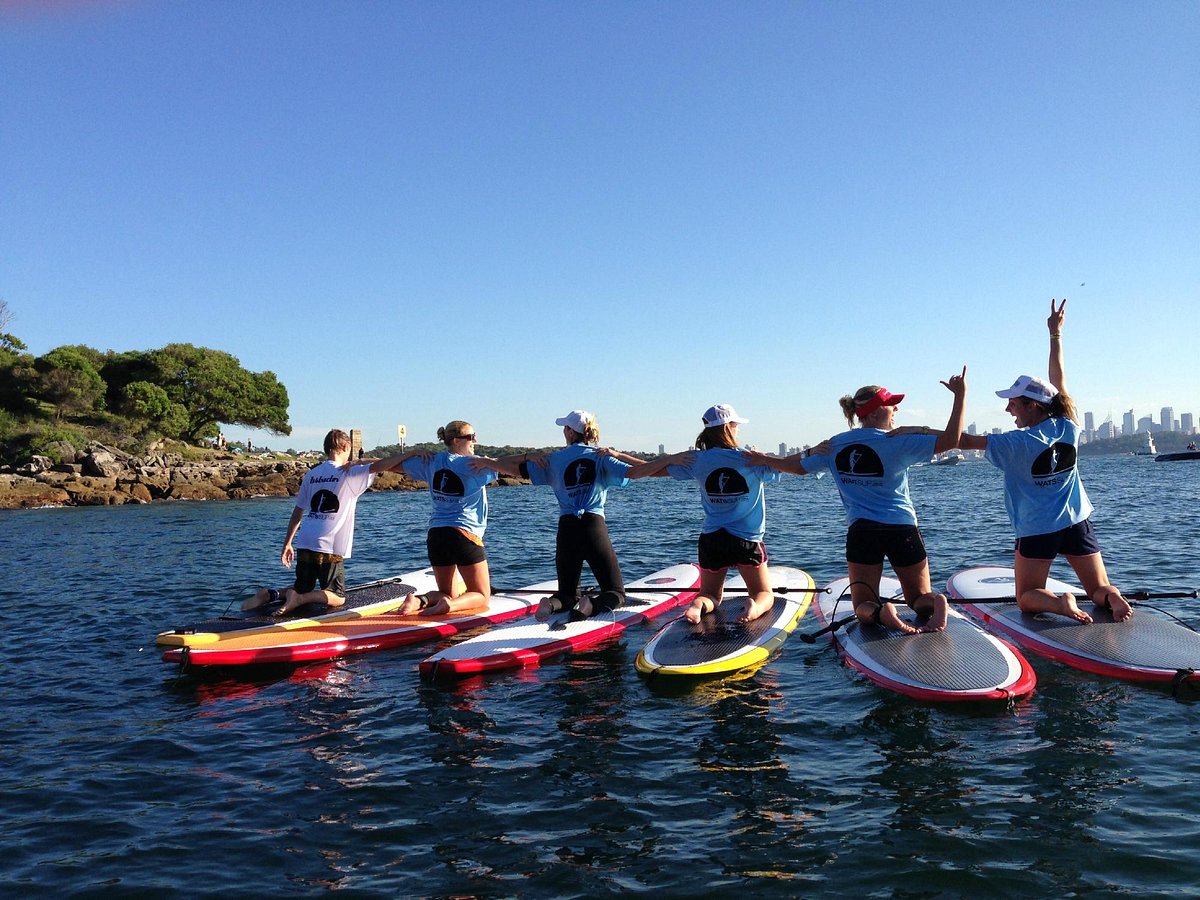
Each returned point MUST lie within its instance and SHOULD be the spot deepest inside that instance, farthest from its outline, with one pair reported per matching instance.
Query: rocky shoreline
(104, 476)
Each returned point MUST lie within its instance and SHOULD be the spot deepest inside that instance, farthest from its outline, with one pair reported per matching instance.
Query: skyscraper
(1127, 423)
(1186, 424)
(1089, 425)
(1166, 418)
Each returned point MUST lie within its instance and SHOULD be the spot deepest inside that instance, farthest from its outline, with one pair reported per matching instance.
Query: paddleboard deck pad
(326, 640)
(1145, 647)
(529, 644)
(963, 663)
(368, 599)
(718, 644)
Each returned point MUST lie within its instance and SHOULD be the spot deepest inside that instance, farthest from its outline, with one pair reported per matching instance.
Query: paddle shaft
(666, 590)
(1131, 595)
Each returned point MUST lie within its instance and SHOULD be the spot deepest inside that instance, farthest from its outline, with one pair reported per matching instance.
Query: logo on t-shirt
(725, 483)
(325, 502)
(1056, 458)
(446, 481)
(858, 460)
(580, 473)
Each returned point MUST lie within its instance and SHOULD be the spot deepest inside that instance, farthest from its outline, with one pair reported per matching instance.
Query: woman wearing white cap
(870, 466)
(735, 513)
(1043, 493)
(580, 475)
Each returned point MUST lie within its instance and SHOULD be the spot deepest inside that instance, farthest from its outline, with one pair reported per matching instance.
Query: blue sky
(418, 212)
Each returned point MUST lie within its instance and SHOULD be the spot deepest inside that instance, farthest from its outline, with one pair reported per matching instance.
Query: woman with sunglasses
(1044, 495)
(455, 539)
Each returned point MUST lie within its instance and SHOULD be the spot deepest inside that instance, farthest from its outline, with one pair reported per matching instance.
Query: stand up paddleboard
(1145, 647)
(718, 645)
(528, 644)
(369, 599)
(962, 663)
(301, 643)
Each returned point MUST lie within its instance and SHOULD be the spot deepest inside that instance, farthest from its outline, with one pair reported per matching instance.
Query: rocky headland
(100, 475)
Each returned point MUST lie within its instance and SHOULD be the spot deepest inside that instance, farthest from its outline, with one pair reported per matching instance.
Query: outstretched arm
(949, 439)
(1055, 323)
(393, 463)
(793, 464)
(623, 457)
(505, 465)
(656, 468)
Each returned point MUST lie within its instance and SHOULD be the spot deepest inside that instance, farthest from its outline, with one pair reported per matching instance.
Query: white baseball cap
(577, 420)
(721, 414)
(1033, 388)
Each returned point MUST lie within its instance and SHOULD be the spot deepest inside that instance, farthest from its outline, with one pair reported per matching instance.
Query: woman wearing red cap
(1046, 502)
(870, 466)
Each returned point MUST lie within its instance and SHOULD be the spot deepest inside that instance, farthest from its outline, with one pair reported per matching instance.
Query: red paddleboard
(527, 644)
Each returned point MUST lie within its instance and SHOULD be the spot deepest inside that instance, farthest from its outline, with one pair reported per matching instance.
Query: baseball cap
(577, 420)
(1033, 388)
(883, 397)
(721, 414)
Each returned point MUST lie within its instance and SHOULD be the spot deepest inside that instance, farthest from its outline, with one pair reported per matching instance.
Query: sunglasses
(465, 437)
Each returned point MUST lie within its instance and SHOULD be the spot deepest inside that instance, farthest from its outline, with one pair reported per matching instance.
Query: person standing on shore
(320, 533)
(580, 475)
(1043, 493)
(456, 527)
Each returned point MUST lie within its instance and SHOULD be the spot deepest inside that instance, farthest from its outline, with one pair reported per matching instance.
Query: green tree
(68, 381)
(211, 387)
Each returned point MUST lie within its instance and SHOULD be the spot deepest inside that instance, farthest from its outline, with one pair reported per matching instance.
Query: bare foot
(755, 609)
(583, 606)
(1069, 608)
(938, 617)
(289, 602)
(547, 607)
(889, 618)
(699, 607)
(1113, 601)
(412, 605)
(261, 598)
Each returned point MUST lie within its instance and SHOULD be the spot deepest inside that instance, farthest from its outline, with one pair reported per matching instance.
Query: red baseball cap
(883, 397)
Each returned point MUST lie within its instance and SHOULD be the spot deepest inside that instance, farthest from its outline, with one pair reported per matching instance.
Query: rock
(185, 491)
(25, 493)
(102, 462)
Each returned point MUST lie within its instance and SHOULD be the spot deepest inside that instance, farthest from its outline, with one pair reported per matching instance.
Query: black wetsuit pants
(585, 539)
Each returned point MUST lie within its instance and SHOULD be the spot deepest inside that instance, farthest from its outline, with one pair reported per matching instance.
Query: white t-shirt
(328, 495)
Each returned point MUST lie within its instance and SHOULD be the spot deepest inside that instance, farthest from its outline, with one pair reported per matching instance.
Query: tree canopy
(178, 391)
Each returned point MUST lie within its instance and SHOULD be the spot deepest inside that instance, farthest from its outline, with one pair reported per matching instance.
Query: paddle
(811, 636)
(1130, 595)
(667, 590)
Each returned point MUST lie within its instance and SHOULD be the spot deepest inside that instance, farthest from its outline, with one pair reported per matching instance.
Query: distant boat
(949, 458)
(1149, 449)
(1176, 457)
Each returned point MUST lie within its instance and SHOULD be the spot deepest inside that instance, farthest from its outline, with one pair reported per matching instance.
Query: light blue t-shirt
(871, 472)
(457, 490)
(731, 491)
(581, 477)
(1042, 489)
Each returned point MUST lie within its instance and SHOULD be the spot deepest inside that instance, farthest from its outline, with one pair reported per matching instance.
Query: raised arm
(1055, 323)
(623, 457)
(950, 438)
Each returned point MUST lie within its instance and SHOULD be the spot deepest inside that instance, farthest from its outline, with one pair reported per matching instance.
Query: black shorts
(719, 550)
(325, 569)
(1074, 540)
(449, 546)
(868, 542)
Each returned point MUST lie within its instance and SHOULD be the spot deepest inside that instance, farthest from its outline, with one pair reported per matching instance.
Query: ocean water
(121, 777)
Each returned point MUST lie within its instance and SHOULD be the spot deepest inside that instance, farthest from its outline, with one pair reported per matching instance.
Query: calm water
(575, 779)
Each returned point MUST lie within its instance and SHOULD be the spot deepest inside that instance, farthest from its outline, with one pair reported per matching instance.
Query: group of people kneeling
(1044, 496)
